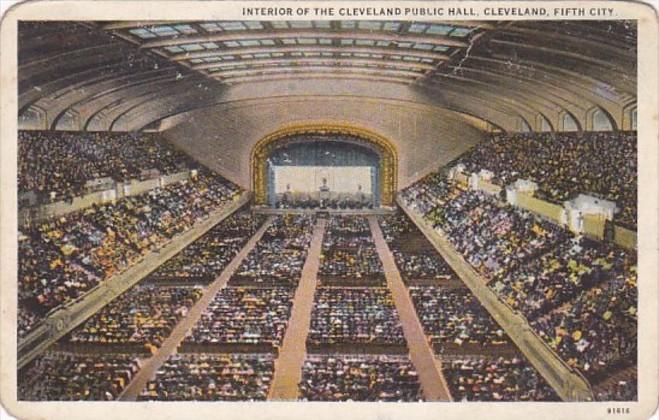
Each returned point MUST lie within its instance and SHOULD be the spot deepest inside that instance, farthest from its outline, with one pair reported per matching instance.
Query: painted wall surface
(222, 137)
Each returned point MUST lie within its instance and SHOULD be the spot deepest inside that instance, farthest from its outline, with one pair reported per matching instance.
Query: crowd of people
(203, 260)
(278, 257)
(359, 378)
(348, 254)
(561, 275)
(212, 377)
(495, 379)
(455, 321)
(239, 315)
(598, 329)
(62, 258)
(565, 164)
(306, 201)
(58, 376)
(580, 295)
(57, 165)
(415, 257)
(143, 316)
(493, 236)
(621, 390)
(354, 316)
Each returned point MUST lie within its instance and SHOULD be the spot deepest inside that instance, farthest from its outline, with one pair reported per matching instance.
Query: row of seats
(479, 361)
(212, 377)
(57, 165)
(455, 321)
(59, 376)
(348, 254)
(415, 257)
(278, 258)
(350, 377)
(144, 316)
(354, 316)
(579, 295)
(62, 258)
(239, 315)
(495, 379)
(203, 260)
(565, 164)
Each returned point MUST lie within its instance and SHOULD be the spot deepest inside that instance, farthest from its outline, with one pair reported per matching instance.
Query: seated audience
(61, 259)
(278, 257)
(349, 253)
(622, 390)
(145, 315)
(565, 164)
(212, 377)
(359, 316)
(561, 275)
(57, 376)
(57, 165)
(359, 378)
(206, 258)
(415, 257)
(598, 329)
(454, 319)
(245, 316)
(497, 379)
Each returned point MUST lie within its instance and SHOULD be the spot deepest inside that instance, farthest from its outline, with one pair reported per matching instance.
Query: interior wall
(222, 137)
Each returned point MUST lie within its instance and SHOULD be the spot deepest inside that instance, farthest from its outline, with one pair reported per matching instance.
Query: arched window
(32, 118)
(601, 121)
(630, 117)
(523, 126)
(569, 123)
(544, 124)
(69, 121)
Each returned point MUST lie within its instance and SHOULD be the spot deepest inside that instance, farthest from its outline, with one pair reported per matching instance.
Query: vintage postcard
(364, 209)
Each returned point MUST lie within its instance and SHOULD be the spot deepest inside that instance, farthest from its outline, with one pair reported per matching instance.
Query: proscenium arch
(388, 168)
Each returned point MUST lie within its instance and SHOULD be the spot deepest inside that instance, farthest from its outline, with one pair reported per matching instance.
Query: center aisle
(288, 366)
(151, 366)
(429, 369)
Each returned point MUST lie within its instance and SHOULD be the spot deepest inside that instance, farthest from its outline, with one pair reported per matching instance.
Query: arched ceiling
(130, 75)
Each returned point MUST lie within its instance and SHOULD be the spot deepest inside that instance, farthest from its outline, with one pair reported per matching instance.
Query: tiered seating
(479, 360)
(355, 318)
(455, 322)
(63, 258)
(359, 378)
(243, 318)
(494, 237)
(229, 353)
(565, 164)
(619, 390)
(415, 257)
(597, 330)
(348, 254)
(579, 295)
(203, 260)
(278, 257)
(58, 164)
(139, 319)
(58, 376)
(560, 275)
(212, 377)
(495, 379)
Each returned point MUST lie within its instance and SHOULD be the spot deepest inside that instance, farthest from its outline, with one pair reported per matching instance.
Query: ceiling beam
(311, 48)
(316, 61)
(304, 33)
(315, 69)
(304, 75)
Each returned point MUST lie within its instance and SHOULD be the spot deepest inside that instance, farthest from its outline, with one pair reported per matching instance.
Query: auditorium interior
(353, 210)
